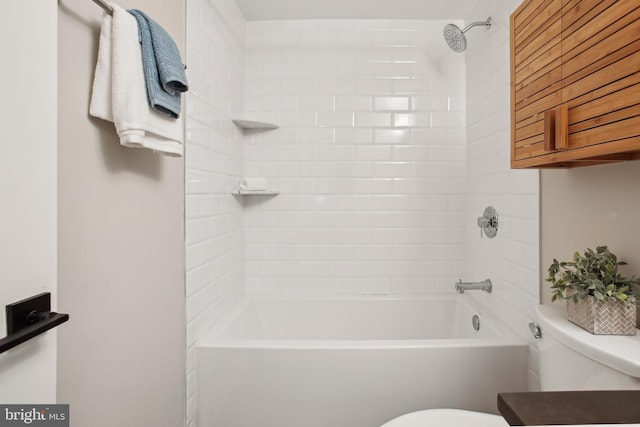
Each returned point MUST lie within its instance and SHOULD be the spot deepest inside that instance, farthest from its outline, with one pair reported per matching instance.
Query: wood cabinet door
(600, 78)
(536, 74)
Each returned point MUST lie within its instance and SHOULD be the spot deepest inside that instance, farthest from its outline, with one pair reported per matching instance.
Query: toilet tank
(574, 359)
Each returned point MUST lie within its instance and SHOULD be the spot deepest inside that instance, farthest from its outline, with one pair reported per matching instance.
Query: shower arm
(486, 23)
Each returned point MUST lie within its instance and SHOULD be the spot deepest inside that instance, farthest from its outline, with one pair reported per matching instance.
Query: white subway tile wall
(369, 159)
(511, 260)
(214, 163)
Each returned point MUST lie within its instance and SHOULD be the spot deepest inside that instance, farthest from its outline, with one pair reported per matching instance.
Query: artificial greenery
(595, 274)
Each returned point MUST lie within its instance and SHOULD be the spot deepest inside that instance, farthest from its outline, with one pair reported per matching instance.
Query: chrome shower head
(455, 38)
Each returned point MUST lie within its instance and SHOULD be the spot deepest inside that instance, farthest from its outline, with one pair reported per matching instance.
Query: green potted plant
(599, 299)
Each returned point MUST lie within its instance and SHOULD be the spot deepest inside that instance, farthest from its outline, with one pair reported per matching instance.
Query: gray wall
(587, 207)
(121, 359)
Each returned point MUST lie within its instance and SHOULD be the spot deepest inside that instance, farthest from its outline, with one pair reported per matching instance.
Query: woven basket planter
(603, 317)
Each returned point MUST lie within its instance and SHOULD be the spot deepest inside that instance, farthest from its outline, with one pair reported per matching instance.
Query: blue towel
(162, 65)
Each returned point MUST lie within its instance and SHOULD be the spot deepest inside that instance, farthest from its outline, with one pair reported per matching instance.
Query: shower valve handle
(488, 222)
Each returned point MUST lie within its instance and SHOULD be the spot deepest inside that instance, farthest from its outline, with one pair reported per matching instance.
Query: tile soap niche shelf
(254, 186)
(254, 125)
(255, 193)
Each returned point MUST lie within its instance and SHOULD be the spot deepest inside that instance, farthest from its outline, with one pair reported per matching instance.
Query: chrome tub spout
(485, 285)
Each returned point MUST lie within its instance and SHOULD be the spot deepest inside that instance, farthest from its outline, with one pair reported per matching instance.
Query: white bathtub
(352, 362)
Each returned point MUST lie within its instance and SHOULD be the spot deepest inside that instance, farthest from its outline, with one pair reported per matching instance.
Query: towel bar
(103, 4)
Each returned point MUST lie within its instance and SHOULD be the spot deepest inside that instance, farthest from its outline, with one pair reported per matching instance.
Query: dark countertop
(570, 407)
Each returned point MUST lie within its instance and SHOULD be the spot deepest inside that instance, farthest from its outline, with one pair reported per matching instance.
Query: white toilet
(447, 418)
(570, 359)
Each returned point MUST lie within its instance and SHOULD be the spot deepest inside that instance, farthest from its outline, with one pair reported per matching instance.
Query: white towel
(119, 93)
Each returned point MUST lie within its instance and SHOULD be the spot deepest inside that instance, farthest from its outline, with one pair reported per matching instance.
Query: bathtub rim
(212, 338)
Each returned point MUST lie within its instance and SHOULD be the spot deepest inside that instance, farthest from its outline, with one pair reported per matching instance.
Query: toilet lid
(447, 418)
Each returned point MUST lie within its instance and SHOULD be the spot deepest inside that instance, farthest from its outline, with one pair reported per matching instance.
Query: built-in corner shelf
(255, 125)
(255, 193)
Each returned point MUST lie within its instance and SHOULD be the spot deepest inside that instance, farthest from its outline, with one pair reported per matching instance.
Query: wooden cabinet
(575, 82)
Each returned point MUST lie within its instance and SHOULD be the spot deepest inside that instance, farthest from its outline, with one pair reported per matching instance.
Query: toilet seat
(447, 418)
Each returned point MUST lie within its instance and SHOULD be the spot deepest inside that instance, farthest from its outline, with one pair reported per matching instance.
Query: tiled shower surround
(389, 147)
(511, 260)
(214, 163)
(369, 159)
